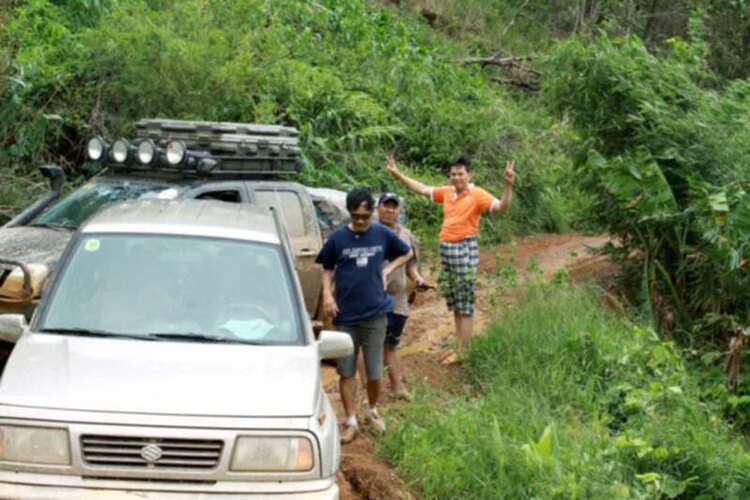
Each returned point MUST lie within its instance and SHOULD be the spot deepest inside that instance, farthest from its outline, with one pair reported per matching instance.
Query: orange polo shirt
(461, 213)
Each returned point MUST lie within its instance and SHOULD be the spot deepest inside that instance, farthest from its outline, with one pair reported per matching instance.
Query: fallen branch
(527, 86)
(507, 62)
(17, 178)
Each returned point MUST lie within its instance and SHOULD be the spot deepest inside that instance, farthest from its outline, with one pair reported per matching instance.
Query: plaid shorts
(460, 263)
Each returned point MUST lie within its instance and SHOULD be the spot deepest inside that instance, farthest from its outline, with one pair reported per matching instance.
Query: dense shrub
(667, 162)
(355, 78)
(573, 402)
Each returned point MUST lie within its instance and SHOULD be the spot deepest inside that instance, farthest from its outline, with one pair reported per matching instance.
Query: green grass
(568, 400)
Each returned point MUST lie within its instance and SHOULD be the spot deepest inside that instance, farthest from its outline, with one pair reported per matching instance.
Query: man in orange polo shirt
(463, 204)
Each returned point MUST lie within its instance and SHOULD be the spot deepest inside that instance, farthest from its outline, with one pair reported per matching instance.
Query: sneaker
(348, 433)
(403, 394)
(450, 358)
(374, 419)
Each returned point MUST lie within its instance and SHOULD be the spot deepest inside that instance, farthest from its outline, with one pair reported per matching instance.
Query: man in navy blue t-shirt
(357, 253)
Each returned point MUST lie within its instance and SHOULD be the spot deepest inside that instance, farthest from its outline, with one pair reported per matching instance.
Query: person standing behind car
(360, 256)
(389, 210)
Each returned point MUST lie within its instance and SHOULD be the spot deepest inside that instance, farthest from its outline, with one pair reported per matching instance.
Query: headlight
(176, 152)
(272, 454)
(34, 445)
(120, 151)
(146, 152)
(96, 148)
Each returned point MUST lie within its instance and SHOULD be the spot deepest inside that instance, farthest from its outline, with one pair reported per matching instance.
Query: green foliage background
(357, 79)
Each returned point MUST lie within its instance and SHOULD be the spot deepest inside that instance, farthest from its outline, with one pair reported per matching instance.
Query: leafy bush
(666, 161)
(572, 402)
(356, 79)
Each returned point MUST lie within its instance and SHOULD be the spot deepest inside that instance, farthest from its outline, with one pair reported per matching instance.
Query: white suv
(172, 357)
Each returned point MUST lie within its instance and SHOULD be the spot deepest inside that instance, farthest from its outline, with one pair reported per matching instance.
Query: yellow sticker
(92, 245)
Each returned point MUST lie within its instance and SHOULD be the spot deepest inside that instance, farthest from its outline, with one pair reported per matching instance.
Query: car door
(298, 213)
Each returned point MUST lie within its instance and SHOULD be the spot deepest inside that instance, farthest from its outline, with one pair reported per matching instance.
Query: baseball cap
(389, 197)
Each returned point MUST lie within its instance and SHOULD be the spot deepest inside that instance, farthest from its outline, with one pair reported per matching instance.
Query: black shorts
(396, 323)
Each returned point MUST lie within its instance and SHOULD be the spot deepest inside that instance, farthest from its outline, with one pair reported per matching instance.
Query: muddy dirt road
(365, 476)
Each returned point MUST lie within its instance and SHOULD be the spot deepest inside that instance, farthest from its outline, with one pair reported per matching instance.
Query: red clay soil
(363, 474)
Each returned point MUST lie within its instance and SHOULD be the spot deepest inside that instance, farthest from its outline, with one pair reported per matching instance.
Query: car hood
(161, 377)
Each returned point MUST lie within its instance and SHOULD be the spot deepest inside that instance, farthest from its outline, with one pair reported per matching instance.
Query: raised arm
(504, 203)
(407, 181)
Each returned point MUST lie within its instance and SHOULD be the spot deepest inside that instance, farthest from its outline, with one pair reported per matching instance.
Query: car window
(88, 199)
(145, 284)
(228, 195)
(290, 206)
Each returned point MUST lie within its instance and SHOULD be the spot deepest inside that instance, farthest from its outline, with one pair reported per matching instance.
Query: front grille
(140, 452)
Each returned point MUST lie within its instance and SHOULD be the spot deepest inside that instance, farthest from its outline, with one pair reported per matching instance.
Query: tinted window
(228, 195)
(88, 199)
(290, 206)
(138, 284)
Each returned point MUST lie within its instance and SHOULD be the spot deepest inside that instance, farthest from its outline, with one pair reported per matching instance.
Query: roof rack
(242, 149)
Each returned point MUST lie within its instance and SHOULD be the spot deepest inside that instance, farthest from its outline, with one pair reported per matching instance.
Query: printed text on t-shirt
(362, 254)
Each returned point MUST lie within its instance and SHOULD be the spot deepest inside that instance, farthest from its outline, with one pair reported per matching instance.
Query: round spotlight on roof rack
(96, 148)
(120, 151)
(176, 153)
(147, 152)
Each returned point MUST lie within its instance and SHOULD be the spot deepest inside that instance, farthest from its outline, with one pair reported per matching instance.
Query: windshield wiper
(200, 337)
(87, 332)
(67, 227)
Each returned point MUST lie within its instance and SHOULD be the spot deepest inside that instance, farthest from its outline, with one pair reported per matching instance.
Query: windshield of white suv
(180, 288)
(88, 199)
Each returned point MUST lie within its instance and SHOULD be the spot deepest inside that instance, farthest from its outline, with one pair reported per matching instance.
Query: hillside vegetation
(651, 99)
(357, 79)
(569, 400)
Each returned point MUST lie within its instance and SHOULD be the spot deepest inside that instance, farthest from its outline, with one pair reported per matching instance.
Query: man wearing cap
(463, 204)
(389, 210)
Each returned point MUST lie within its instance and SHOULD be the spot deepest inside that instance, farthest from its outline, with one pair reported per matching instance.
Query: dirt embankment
(364, 475)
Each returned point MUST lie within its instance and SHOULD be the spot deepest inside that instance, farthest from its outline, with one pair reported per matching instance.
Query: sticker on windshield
(92, 245)
(168, 194)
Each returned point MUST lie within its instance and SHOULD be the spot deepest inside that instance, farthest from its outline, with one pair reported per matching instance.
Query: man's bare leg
(348, 389)
(393, 365)
(464, 328)
(373, 392)
(361, 370)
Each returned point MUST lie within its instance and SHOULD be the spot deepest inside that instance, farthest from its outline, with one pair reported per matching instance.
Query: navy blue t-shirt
(358, 260)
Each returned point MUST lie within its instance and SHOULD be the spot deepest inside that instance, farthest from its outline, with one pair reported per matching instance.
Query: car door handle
(306, 252)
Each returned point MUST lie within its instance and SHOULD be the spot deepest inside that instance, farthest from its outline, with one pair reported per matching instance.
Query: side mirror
(12, 327)
(332, 345)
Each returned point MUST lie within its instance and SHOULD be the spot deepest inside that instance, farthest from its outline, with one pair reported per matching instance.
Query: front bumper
(28, 486)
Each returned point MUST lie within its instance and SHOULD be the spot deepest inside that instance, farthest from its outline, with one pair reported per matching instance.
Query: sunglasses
(362, 217)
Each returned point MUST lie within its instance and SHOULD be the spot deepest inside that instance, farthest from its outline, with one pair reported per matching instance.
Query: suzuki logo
(151, 453)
